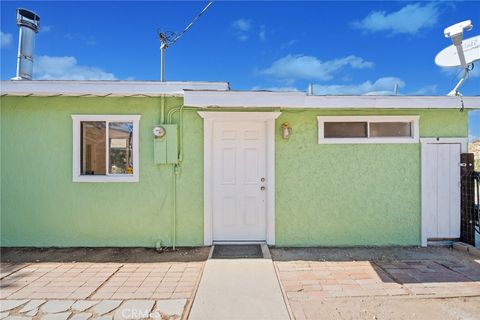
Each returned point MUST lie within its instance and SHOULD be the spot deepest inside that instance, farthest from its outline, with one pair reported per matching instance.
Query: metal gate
(470, 208)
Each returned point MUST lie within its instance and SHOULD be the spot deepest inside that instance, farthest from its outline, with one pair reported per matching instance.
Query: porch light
(285, 130)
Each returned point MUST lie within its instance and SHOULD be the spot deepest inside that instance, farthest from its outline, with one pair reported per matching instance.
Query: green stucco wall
(325, 194)
(355, 194)
(41, 206)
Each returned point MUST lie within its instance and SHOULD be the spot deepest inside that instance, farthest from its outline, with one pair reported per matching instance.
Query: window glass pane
(390, 129)
(345, 129)
(120, 136)
(93, 154)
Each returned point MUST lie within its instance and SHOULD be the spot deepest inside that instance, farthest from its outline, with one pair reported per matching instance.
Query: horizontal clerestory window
(105, 148)
(368, 129)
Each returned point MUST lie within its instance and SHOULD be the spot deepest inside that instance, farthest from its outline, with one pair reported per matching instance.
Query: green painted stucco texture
(326, 195)
(352, 194)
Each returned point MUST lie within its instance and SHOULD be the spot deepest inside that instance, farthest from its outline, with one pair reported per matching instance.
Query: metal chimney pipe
(28, 23)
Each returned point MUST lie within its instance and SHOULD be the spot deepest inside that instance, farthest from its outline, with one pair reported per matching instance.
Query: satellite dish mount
(461, 54)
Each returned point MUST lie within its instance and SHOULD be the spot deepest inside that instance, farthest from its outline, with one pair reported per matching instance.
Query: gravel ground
(369, 254)
(134, 255)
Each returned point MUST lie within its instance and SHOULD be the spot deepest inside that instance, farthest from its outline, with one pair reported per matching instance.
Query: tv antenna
(168, 38)
(463, 53)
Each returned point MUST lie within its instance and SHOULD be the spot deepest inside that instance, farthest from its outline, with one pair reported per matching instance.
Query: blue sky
(341, 47)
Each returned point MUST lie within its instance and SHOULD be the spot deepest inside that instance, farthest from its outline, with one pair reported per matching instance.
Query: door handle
(262, 188)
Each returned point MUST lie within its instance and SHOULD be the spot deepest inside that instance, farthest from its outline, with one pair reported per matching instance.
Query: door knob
(262, 188)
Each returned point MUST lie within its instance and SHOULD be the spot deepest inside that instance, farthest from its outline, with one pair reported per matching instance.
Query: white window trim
(413, 119)
(77, 177)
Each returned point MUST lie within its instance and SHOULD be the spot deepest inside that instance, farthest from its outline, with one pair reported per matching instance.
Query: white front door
(239, 180)
(441, 190)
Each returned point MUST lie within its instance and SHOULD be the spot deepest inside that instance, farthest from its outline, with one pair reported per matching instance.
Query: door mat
(237, 251)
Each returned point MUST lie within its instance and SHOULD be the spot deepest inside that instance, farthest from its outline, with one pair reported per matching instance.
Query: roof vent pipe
(29, 24)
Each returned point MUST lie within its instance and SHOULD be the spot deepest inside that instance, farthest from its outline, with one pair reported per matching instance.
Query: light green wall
(41, 206)
(356, 194)
(326, 194)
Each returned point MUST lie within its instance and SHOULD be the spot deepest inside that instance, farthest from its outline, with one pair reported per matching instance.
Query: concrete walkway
(239, 289)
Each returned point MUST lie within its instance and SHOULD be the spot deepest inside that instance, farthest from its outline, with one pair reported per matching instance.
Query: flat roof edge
(104, 88)
(300, 100)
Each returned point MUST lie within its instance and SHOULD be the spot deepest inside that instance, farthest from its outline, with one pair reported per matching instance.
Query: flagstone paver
(83, 305)
(6, 305)
(106, 306)
(56, 306)
(314, 279)
(32, 313)
(57, 316)
(96, 290)
(134, 309)
(81, 316)
(171, 308)
(32, 305)
(308, 284)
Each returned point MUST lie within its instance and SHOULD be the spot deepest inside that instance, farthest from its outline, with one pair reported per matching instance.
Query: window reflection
(120, 147)
(93, 153)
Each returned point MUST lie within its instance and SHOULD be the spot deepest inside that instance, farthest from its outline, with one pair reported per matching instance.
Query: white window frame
(414, 120)
(77, 176)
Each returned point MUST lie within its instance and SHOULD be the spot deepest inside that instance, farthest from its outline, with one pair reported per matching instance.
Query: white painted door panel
(239, 159)
(441, 188)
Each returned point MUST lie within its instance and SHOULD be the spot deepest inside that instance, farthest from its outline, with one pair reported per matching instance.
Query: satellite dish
(461, 54)
(449, 58)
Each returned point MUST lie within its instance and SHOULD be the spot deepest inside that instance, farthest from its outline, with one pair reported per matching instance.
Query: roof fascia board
(299, 100)
(105, 88)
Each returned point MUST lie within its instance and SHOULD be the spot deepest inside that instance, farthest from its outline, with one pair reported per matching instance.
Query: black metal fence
(470, 197)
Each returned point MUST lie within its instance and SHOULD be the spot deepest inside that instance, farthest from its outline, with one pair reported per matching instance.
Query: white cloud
(5, 39)
(308, 67)
(288, 44)
(242, 25)
(242, 37)
(67, 68)
(87, 39)
(410, 19)
(258, 88)
(425, 91)
(46, 29)
(457, 73)
(263, 33)
(382, 86)
(241, 28)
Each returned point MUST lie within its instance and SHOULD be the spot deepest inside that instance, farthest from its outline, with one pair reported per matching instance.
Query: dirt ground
(369, 254)
(126, 255)
(466, 308)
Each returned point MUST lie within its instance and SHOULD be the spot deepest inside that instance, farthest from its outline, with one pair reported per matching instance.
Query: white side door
(441, 190)
(239, 173)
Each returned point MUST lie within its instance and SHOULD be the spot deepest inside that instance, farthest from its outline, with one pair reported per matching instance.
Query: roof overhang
(300, 100)
(104, 88)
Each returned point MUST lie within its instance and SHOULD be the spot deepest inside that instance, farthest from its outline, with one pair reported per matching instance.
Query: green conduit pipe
(169, 119)
(162, 109)
(174, 196)
(176, 170)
